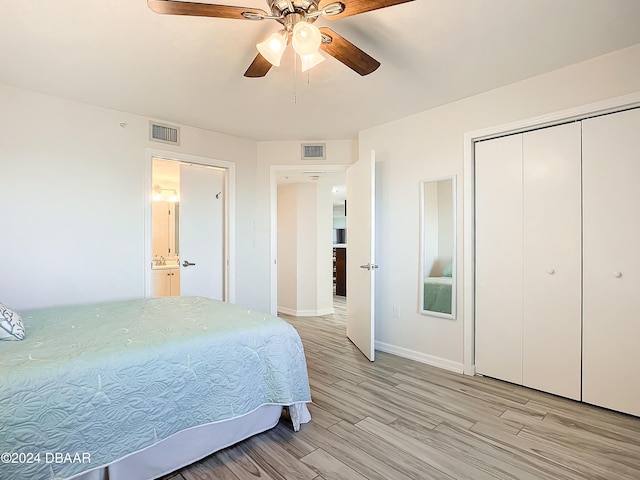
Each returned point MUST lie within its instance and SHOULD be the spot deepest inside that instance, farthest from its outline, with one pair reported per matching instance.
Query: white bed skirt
(189, 446)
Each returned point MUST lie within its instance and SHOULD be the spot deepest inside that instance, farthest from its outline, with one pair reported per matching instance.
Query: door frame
(470, 138)
(229, 239)
(274, 170)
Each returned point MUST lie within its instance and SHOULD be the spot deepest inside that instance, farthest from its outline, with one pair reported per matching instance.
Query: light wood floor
(396, 419)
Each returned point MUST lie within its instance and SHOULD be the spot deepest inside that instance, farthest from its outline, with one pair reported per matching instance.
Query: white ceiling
(189, 70)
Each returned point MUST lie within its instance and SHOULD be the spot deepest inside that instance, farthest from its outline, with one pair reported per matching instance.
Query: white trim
(306, 313)
(273, 221)
(432, 360)
(573, 114)
(230, 215)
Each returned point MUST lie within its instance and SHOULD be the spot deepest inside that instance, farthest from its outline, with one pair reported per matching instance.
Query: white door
(202, 231)
(611, 327)
(499, 264)
(361, 267)
(552, 301)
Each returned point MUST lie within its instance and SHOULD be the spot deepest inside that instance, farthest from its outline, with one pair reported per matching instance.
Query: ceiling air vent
(164, 133)
(313, 151)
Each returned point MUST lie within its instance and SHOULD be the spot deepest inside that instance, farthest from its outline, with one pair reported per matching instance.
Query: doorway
(301, 187)
(361, 266)
(190, 227)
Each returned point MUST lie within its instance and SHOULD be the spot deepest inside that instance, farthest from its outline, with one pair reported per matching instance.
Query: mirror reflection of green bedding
(437, 294)
(112, 379)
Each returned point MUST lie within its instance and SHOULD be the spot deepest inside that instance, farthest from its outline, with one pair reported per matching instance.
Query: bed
(136, 389)
(437, 294)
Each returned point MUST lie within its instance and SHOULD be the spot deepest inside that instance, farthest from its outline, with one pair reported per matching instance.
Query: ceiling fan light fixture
(306, 38)
(273, 47)
(310, 61)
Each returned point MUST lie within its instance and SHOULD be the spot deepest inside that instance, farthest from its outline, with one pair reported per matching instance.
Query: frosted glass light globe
(273, 47)
(310, 61)
(306, 38)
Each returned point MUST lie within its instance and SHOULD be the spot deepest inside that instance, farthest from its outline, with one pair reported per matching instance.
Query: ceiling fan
(297, 18)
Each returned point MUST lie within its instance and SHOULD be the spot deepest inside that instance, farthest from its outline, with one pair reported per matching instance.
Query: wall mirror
(437, 284)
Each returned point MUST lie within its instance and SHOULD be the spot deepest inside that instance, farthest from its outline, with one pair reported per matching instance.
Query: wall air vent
(313, 151)
(164, 133)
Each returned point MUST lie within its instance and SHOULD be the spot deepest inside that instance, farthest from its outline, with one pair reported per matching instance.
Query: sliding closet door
(611, 328)
(551, 337)
(498, 297)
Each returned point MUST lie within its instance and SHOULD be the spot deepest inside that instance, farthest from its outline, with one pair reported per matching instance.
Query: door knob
(617, 274)
(369, 266)
(551, 271)
(187, 264)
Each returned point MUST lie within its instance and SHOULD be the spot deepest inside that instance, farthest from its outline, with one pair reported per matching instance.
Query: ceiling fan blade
(346, 52)
(201, 9)
(258, 68)
(354, 7)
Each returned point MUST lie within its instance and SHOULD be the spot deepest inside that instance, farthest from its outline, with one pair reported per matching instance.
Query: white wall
(324, 250)
(305, 285)
(307, 267)
(287, 247)
(73, 202)
(429, 145)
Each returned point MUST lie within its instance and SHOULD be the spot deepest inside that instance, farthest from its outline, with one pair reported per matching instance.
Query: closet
(558, 259)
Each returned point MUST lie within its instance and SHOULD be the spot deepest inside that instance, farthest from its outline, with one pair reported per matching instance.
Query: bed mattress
(92, 384)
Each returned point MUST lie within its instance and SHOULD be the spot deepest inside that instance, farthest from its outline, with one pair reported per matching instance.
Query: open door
(202, 231)
(361, 267)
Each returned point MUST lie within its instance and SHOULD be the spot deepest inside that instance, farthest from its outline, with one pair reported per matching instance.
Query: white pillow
(11, 327)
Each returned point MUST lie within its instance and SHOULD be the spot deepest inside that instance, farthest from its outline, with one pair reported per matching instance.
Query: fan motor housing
(281, 7)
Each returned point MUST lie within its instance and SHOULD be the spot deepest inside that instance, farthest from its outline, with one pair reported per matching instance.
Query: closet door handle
(551, 271)
(617, 274)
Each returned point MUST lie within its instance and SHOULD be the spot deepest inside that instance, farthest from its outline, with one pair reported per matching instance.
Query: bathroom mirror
(437, 281)
(165, 210)
(164, 225)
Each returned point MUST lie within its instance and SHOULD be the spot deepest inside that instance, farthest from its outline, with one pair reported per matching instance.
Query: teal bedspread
(437, 294)
(92, 384)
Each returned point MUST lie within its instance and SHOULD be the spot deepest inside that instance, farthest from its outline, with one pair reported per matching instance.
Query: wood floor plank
(622, 449)
(276, 460)
(435, 412)
(504, 461)
(396, 459)
(541, 453)
(353, 454)
(393, 400)
(478, 397)
(288, 439)
(321, 416)
(448, 462)
(330, 467)
(369, 407)
(228, 464)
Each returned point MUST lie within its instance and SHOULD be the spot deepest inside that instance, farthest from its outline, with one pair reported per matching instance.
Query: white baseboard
(306, 313)
(421, 357)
